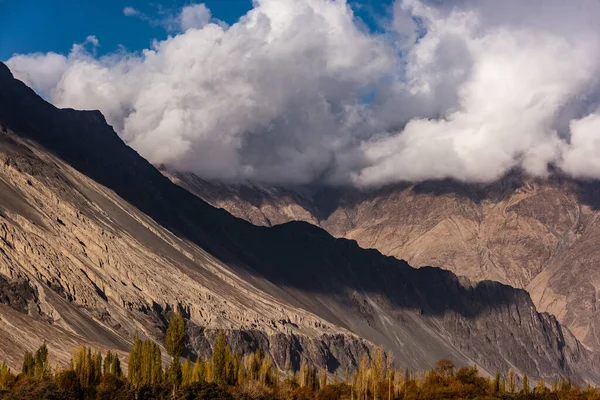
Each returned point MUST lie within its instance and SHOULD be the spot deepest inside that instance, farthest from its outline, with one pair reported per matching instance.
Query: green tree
(134, 362)
(186, 372)
(87, 366)
(68, 381)
(525, 384)
(497, 383)
(7, 378)
(511, 381)
(28, 368)
(199, 371)
(112, 365)
(145, 363)
(540, 386)
(41, 362)
(175, 338)
(175, 344)
(219, 359)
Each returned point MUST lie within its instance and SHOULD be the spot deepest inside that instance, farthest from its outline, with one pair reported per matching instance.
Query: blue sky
(28, 26)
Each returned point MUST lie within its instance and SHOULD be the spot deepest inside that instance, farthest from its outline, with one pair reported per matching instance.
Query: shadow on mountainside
(295, 254)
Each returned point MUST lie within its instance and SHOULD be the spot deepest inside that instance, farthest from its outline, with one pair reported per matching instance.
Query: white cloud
(180, 20)
(194, 16)
(467, 89)
(510, 85)
(92, 40)
(130, 12)
(42, 72)
(581, 157)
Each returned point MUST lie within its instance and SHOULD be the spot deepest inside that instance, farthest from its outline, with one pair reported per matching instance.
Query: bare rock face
(536, 234)
(260, 205)
(97, 244)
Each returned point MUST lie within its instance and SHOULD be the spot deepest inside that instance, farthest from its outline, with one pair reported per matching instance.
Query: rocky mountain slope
(97, 244)
(536, 234)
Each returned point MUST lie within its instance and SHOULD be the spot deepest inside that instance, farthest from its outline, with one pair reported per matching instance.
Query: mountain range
(537, 234)
(97, 244)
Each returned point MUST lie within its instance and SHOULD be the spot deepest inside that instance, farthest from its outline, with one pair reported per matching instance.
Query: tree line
(231, 376)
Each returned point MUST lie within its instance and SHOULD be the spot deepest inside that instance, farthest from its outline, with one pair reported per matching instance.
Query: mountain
(536, 234)
(97, 244)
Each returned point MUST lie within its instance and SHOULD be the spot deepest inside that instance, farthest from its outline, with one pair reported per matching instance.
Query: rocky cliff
(97, 244)
(536, 234)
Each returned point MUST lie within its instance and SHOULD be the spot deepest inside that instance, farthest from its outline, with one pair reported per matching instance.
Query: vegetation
(229, 376)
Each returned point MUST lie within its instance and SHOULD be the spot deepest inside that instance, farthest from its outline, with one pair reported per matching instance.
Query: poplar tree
(41, 362)
(134, 364)
(175, 344)
(186, 372)
(145, 363)
(323, 379)
(497, 383)
(266, 371)
(540, 386)
(525, 384)
(199, 372)
(87, 366)
(219, 359)
(28, 368)
(511, 381)
(112, 365)
(7, 378)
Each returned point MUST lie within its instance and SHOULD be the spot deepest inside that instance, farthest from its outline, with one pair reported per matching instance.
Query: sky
(29, 26)
(294, 92)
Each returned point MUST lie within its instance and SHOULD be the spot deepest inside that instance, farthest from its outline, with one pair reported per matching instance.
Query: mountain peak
(139, 245)
(5, 71)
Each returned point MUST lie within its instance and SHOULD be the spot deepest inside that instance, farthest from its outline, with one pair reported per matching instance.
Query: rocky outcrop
(259, 204)
(110, 246)
(537, 234)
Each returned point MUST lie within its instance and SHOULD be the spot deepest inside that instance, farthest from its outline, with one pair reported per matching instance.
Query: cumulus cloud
(130, 12)
(298, 91)
(190, 16)
(581, 157)
(194, 16)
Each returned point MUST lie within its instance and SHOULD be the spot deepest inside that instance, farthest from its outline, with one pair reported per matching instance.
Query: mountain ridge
(527, 232)
(113, 243)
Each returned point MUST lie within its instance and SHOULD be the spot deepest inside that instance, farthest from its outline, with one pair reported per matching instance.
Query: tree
(87, 366)
(308, 375)
(7, 378)
(186, 372)
(512, 384)
(219, 358)
(175, 344)
(68, 381)
(266, 376)
(444, 367)
(323, 379)
(175, 338)
(497, 383)
(199, 372)
(203, 391)
(525, 384)
(41, 362)
(145, 363)
(540, 386)
(28, 368)
(134, 364)
(112, 365)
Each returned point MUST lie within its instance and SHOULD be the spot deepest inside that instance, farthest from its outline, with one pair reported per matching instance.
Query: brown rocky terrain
(97, 244)
(537, 234)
